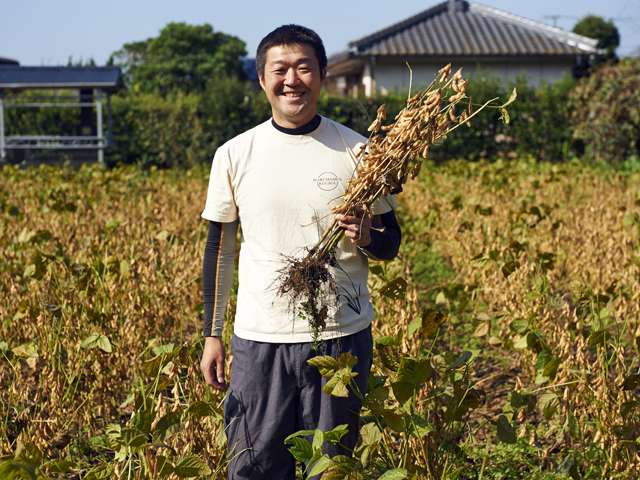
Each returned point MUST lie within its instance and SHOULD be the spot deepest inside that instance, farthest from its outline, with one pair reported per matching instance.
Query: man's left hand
(357, 228)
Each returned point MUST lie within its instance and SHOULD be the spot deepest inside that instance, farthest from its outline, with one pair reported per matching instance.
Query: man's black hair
(287, 35)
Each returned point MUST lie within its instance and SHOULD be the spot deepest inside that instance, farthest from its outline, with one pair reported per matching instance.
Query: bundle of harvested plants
(393, 154)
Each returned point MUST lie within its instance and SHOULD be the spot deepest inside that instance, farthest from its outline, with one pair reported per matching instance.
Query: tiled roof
(466, 28)
(8, 61)
(15, 77)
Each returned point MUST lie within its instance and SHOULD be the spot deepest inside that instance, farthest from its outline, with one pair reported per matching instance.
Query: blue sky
(46, 32)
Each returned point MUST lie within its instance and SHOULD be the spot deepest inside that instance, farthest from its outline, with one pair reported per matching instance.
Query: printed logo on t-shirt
(327, 181)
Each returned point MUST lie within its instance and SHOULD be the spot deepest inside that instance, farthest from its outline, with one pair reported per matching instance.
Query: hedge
(598, 115)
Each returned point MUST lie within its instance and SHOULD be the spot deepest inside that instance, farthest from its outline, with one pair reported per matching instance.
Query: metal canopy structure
(93, 84)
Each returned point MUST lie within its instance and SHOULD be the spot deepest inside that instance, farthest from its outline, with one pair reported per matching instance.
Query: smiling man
(278, 182)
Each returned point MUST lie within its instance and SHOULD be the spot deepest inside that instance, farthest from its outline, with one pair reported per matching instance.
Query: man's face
(292, 80)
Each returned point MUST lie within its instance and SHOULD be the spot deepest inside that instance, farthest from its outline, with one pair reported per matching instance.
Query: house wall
(394, 76)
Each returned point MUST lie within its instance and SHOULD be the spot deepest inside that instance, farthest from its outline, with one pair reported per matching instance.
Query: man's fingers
(220, 369)
(352, 219)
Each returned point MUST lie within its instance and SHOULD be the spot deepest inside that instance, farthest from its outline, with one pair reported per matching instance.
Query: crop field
(507, 335)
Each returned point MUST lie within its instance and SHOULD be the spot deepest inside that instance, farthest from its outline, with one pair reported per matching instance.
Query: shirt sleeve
(217, 275)
(220, 205)
(384, 205)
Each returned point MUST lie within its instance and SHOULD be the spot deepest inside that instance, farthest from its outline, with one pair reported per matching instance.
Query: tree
(605, 32)
(181, 58)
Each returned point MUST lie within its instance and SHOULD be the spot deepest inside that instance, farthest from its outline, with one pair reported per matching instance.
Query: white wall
(390, 77)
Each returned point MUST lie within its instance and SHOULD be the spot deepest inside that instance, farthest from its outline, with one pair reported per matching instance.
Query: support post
(109, 122)
(99, 132)
(3, 153)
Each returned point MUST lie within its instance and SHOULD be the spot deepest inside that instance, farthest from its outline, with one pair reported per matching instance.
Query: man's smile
(293, 94)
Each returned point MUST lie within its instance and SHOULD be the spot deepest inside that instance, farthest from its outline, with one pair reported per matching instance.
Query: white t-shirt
(282, 188)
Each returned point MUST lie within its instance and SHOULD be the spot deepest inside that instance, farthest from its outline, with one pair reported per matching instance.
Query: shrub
(229, 107)
(605, 112)
(162, 131)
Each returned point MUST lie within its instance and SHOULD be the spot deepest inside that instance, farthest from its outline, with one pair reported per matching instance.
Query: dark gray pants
(274, 393)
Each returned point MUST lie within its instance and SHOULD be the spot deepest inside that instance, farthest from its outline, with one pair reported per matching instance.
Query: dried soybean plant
(393, 154)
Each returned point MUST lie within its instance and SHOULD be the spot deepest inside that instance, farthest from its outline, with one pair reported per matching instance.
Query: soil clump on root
(310, 287)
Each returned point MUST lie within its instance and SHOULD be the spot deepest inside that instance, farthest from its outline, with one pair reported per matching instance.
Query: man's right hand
(212, 363)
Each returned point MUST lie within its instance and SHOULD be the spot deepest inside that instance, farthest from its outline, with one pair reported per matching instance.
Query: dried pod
(444, 72)
(452, 114)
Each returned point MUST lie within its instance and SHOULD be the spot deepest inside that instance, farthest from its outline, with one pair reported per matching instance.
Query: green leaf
(4, 346)
(482, 329)
(320, 465)
(394, 421)
(548, 403)
(441, 299)
(162, 236)
(403, 391)
(18, 470)
(506, 432)
(334, 435)
(522, 399)
(300, 448)
(509, 267)
(26, 350)
(346, 360)
(414, 326)
(190, 465)
(164, 348)
(29, 271)
(598, 338)
(388, 341)
(519, 325)
(370, 434)
(90, 341)
(337, 385)
(414, 371)
(104, 344)
(461, 360)
(167, 421)
(421, 427)
(96, 340)
(376, 270)
(326, 364)
(200, 409)
(394, 289)
(164, 466)
(395, 474)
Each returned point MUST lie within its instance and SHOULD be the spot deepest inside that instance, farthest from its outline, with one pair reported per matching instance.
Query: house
(479, 38)
(8, 61)
(92, 85)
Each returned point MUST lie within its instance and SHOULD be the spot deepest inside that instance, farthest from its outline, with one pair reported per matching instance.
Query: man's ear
(261, 80)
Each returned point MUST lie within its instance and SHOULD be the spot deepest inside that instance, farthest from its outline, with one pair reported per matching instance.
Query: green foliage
(358, 113)
(181, 58)
(605, 32)
(228, 107)
(537, 126)
(40, 121)
(163, 131)
(606, 112)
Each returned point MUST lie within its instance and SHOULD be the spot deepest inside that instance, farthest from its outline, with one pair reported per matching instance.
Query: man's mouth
(293, 94)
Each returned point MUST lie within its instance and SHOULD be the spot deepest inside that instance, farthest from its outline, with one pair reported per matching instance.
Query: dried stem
(393, 154)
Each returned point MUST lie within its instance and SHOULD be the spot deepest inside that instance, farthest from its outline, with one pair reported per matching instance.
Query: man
(278, 181)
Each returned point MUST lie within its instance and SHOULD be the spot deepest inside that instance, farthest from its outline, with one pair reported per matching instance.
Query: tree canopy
(605, 32)
(182, 57)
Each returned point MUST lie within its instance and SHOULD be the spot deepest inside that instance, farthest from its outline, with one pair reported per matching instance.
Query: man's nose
(291, 77)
